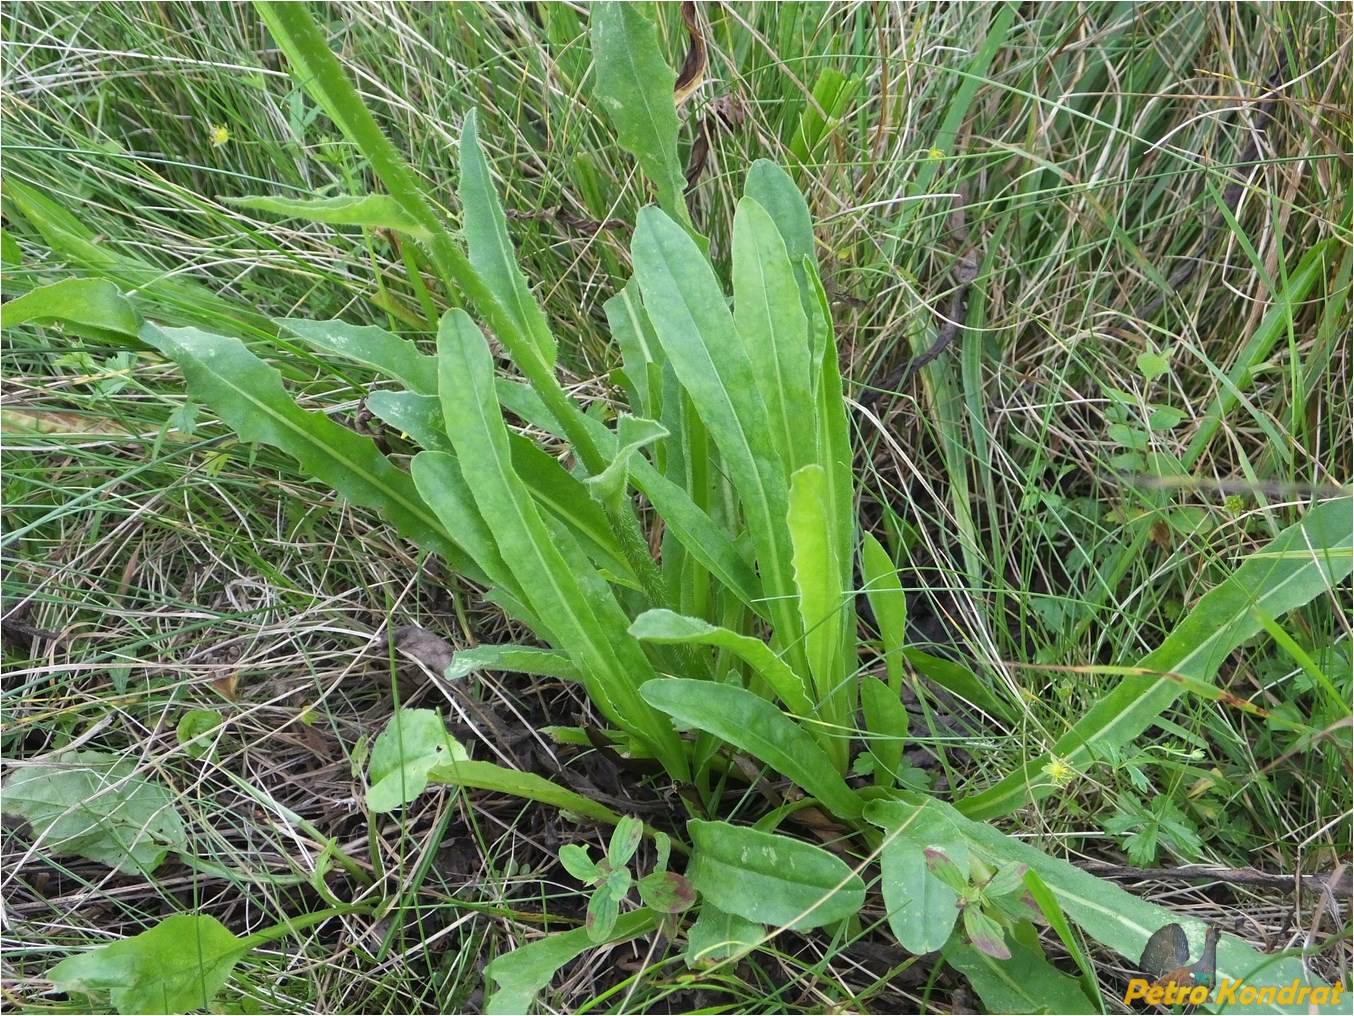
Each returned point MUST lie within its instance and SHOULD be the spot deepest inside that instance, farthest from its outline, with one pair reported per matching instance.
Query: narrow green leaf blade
(516, 659)
(249, 397)
(692, 321)
(1302, 562)
(396, 357)
(667, 628)
(491, 253)
(546, 562)
(818, 571)
(635, 86)
(771, 322)
(370, 211)
(754, 725)
(769, 878)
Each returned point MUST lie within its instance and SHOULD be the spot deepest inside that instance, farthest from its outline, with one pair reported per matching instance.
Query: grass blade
(1301, 563)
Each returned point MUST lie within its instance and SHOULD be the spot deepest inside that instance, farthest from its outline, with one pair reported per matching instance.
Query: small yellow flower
(1059, 772)
(219, 135)
(935, 155)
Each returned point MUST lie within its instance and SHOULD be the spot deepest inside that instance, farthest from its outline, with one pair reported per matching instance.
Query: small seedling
(989, 902)
(662, 890)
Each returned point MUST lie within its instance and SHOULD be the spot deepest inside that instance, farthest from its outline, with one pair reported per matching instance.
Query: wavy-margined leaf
(1115, 917)
(770, 878)
(248, 395)
(486, 238)
(517, 659)
(93, 307)
(635, 86)
(752, 724)
(668, 628)
(1302, 562)
(689, 314)
(370, 211)
(548, 565)
(771, 322)
(396, 357)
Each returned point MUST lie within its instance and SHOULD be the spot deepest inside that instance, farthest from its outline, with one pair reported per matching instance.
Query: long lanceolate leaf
(248, 395)
(775, 331)
(694, 326)
(486, 237)
(1301, 563)
(546, 562)
(635, 85)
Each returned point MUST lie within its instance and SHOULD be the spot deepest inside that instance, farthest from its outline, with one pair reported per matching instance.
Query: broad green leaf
(178, 966)
(93, 307)
(414, 742)
(624, 841)
(488, 776)
(1026, 982)
(1302, 562)
(635, 86)
(921, 907)
(773, 188)
(754, 725)
(888, 603)
(486, 238)
(417, 417)
(667, 892)
(770, 878)
(577, 863)
(515, 659)
(818, 579)
(248, 395)
(521, 974)
(177, 299)
(370, 211)
(548, 565)
(720, 937)
(775, 331)
(95, 805)
(666, 628)
(396, 357)
(196, 730)
(1115, 917)
(692, 321)
(886, 721)
(959, 680)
